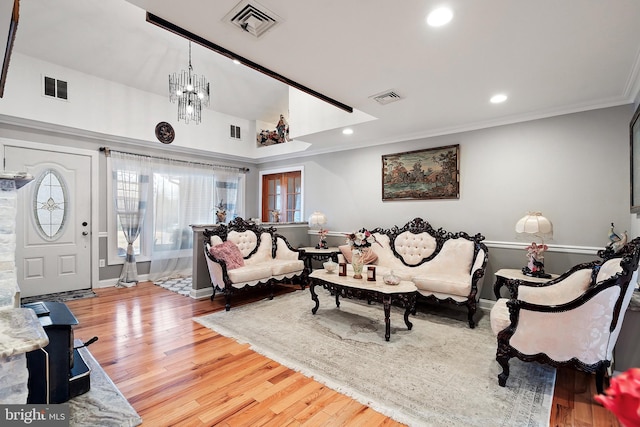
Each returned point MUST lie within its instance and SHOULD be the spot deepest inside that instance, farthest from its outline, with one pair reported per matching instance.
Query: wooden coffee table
(404, 294)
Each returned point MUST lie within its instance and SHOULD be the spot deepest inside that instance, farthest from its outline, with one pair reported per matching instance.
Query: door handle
(85, 233)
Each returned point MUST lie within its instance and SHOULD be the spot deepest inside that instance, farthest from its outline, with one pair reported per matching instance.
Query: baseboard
(201, 293)
(486, 304)
(109, 283)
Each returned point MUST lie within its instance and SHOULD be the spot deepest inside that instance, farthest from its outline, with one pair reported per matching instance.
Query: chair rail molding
(571, 249)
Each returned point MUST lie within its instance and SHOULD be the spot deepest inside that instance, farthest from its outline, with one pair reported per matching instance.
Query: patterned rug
(440, 373)
(60, 296)
(103, 405)
(180, 285)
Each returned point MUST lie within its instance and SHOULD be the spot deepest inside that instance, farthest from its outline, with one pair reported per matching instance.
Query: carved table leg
(314, 297)
(411, 307)
(337, 298)
(500, 282)
(386, 301)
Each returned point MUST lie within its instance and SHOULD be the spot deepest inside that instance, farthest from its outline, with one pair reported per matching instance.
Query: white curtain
(130, 176)
(183, 195)
(226, 187)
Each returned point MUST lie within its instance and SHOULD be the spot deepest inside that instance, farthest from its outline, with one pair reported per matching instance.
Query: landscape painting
(422, 174)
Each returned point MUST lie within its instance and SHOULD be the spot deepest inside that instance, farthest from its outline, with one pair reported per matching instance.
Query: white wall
(573, 168)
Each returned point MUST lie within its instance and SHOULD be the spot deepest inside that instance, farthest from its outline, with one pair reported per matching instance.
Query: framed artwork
(433, 173)
(634, 132)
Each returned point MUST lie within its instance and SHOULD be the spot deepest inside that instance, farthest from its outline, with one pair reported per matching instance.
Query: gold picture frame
(433, 173)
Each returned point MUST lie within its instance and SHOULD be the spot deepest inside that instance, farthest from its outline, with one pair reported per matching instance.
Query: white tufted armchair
(573, 320)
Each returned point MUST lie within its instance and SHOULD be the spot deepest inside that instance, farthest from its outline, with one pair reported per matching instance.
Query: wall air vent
(252, 18)
(234, 132)
(54, 88)
(386, 97)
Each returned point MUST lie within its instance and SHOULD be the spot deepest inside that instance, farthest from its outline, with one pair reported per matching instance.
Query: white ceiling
(550, 57)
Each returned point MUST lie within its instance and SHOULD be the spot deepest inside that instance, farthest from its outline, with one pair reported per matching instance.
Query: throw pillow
(229, 253)
(369, 256)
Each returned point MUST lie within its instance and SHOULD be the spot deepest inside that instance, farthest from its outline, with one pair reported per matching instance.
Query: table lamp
(534, 225)
(317, 220)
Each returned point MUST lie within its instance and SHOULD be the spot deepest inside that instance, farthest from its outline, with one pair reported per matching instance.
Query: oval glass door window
(50, 204)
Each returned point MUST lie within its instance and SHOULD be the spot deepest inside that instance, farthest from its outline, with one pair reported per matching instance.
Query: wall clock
(165, 133)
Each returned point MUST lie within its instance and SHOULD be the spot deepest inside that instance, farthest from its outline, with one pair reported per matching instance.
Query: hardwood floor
(175, 372)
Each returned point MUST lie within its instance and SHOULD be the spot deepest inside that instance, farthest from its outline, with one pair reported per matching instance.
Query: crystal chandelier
(191, 91)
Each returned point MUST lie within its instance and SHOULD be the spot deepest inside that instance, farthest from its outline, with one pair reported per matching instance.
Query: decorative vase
(356, 263)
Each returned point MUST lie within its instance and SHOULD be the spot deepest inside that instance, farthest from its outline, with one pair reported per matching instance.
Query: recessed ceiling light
(347, 131)
(439, 17)
(497, 99)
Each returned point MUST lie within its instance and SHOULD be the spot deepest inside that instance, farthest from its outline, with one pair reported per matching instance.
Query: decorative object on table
(422, 174)
(534, 225)
(330, 266)
(317, 220)
(191, 91)
(342, 269)
(634, 132)
(275, 215)
(221, 213)
(391, 279)
(623, 397)
(359, 242)
(277, 136)
(371, 273)
(165, 133)
(616, 242)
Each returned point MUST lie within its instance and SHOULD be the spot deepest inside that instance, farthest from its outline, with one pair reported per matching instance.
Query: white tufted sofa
(268, 259)
(444, 266)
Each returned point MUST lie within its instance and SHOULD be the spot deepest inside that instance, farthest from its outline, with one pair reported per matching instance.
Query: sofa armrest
(217, 268)
(283, 250)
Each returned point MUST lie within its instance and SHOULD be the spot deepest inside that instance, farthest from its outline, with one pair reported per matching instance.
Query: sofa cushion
(499, 316)
(370, 256)
(286, 266)
(455, 257)
(263, 254)
(229, 253)
(445, 283)
(413, 248)
(250, 274)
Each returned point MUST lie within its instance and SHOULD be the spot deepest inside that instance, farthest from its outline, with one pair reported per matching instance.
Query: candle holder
(342, 269)
(371, 274)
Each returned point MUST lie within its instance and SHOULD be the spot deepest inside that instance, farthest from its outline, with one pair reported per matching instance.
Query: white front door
(53, 230)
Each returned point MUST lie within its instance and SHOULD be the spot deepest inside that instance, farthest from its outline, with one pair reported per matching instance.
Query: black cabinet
(50, 367)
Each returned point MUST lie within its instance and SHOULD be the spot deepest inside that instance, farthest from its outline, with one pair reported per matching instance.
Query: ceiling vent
(387, 97)
(252, 18)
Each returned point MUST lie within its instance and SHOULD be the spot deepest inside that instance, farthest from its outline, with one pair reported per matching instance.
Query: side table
(311, 253)
(507, 277)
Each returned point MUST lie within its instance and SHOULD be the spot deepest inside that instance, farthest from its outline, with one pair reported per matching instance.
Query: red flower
(623, 397)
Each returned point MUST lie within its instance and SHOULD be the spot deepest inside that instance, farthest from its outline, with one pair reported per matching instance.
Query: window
(49, 204)
(281, 191)
(181, 194)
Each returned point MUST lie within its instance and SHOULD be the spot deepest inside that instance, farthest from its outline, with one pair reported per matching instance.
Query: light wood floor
(176, 372)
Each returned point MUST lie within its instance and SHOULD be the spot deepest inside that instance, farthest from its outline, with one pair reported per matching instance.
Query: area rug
(181, 285)
(103, 405)
(441, 373)
(60, 296)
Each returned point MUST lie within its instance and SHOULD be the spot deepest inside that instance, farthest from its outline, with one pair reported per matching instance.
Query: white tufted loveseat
(267, 258)
(444, 266)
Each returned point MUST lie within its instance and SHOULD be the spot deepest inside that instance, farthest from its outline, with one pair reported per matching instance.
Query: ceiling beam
(162, 23)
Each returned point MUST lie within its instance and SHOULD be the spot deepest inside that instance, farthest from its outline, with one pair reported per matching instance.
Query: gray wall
(573, 168)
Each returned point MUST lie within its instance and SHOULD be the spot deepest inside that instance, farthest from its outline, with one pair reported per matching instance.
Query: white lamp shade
(317, 219)
(535, 224)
